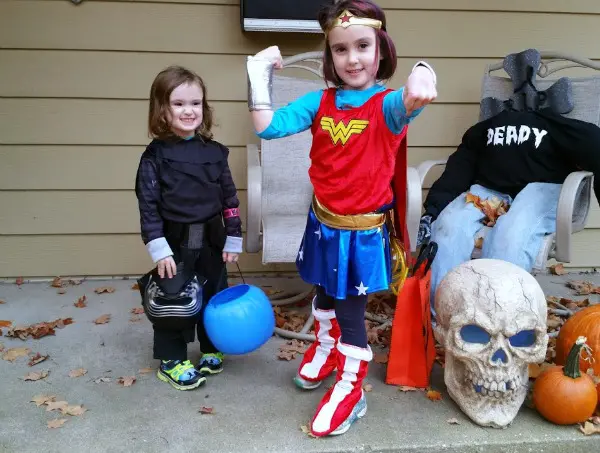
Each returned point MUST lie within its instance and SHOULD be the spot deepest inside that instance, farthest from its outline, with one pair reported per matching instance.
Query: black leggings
(350, 315)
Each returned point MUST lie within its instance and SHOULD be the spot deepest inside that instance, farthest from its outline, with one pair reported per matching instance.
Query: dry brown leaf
(145, 370)
(75, 410)
(102, 379)
(56, 405)
(57, 282)
(479, 243)
(77, 372)
(2, 302)
(289, 350)
(104, 289)
(40, 400)
(36, 376)
(554, 321)
(135, 319)
(127, 381)
(102, 319)
(406, 388)
(306, 430)
(11, 354)
(492, 208)
(453, 421)
(81, 302)
(56, 423)
(536, 369)
(595, 419)
(558, 269)
(38, 330)
(19, 281)
(589, 428)
(135, 287)
(433, 395)
(381, 357)
(137, 311)
(583, 288)
(206, 410)
(75, 281)
(37, 358)
(368, 388)
(4, 323)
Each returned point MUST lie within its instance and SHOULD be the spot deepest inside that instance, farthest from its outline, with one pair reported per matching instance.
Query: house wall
(74, 82)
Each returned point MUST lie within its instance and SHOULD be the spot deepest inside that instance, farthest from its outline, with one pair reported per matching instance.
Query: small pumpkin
(565, 395)
(585, 322)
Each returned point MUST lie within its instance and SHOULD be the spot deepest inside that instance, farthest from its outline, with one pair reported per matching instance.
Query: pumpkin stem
(571, 368)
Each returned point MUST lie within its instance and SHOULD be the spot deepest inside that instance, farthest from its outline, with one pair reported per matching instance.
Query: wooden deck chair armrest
(413, 206)
(566, 209)
(254, 221)
(424, 167)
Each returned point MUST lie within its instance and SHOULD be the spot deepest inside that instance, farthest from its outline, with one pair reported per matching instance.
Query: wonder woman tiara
(347, 18)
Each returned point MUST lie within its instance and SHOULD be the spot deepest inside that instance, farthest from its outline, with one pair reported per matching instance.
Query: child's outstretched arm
(269, 123)
(402, 106)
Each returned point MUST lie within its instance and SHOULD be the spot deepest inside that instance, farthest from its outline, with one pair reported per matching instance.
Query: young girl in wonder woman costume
(357, 129)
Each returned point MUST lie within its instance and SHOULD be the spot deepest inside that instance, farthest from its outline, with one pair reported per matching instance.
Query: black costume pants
(172, 344)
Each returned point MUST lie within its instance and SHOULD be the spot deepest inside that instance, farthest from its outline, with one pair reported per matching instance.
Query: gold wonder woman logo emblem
(340, 131)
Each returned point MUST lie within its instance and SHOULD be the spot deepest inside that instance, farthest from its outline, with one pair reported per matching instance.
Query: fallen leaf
(145, 370)
(127, 381)
(75, 281)
(289, 350)
(19, 281)
(135, 287)
(595, 420)
(406, 388)
(37, 358)
(492, 208)
(368, 388)
(104, 289)
(102, 379)
(57, 282)
(135, 319)
(5, 323)
(40, 400)
(306, 431)
(558, 269)
(73, 410)
(81, 302)
(36, 376)
(589, 428)
(554, 321)
(206, 410)
(56, 423)
(2, 302)
(11, 354)
(536, 369)
(583, 288)
(453, 421)
(77, 372)
(479, 243)
(433, 395)
(56, 406)
(102, 319)
(38, 330)
(381, 357)
(137, 311)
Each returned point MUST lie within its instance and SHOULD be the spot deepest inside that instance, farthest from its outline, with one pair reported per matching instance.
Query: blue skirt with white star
(345, 262)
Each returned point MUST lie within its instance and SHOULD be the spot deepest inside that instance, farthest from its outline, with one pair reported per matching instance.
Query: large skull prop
(491, 319)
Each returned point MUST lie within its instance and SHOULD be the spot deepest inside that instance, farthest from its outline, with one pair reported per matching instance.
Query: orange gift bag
(412, 345)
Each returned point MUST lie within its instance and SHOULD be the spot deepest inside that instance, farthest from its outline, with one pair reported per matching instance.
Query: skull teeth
(496, 389)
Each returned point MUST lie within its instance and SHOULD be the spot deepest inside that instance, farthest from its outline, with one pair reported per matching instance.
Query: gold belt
(347, 222)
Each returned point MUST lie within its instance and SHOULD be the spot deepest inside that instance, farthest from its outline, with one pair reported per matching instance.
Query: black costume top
(512, 149)
(185, 181)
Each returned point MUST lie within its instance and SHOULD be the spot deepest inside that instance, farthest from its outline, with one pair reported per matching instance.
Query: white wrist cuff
(428, 66)
(158, 249)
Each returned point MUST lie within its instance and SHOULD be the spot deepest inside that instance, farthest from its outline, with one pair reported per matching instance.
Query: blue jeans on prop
(516, 237)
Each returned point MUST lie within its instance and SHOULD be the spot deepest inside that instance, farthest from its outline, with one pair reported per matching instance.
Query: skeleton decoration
(491, 320)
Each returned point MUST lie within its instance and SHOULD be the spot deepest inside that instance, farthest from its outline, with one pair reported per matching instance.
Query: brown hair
(360, 8)
(160, 94)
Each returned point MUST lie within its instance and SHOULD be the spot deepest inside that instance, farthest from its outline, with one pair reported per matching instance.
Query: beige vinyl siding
(74, 82)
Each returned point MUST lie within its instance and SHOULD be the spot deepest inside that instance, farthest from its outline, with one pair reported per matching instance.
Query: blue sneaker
(180, 374)
(211, 363)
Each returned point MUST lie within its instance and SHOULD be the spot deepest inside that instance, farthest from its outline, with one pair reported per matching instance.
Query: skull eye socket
(523, 339)
(474, 334)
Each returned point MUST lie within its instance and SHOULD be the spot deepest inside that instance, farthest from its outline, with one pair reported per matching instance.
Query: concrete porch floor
(256, 406)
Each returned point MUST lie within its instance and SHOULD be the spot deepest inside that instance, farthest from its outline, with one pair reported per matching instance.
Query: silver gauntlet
(260, 83)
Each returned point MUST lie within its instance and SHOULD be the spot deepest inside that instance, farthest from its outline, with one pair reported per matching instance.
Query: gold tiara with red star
(347, 18)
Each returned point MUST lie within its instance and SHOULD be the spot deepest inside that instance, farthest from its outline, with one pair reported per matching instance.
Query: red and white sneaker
(345, 402)
(320, 359)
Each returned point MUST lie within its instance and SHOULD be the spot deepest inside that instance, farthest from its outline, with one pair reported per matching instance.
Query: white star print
(318, 233)
(301, 254)
(362, 289)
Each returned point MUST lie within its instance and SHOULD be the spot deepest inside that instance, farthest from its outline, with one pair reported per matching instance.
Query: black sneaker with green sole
(211, 363)
(180, 374)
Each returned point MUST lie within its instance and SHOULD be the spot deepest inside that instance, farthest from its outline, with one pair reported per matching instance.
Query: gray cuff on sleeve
(233, 244)
(428, 66)
(158, 249)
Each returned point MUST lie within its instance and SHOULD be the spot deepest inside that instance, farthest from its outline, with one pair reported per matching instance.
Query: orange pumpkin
(563, 395)
(585, 323)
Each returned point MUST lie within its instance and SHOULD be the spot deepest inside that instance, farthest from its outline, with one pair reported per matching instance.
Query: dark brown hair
(160, 94)
(360, 8)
